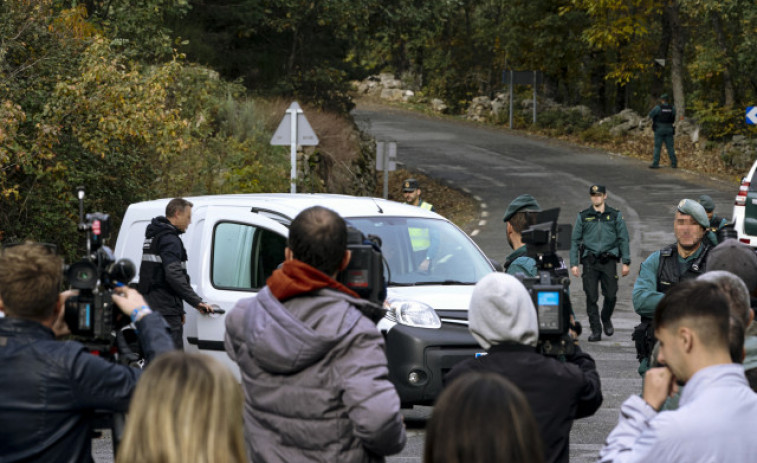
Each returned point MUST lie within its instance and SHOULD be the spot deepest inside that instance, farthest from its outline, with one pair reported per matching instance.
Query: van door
(240, 250)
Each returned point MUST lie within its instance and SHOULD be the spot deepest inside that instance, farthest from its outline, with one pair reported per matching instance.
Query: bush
(564, 121)
(596, 134)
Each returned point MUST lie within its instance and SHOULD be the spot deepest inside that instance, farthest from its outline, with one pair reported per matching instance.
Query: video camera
(91, 314)
(365, 272)
(549, 289)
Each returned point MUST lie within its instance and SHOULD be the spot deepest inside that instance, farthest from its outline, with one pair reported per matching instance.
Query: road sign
(751, 115)
(294, 130)
(305, 135)
(386, 155)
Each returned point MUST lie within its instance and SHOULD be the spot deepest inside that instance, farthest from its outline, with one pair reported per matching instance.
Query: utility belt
(644, 339)
(603, 258)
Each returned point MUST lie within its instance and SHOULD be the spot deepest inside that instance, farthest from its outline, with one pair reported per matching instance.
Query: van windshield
(421, 251)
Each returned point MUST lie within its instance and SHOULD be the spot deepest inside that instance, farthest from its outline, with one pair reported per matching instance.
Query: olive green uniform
(599, 241)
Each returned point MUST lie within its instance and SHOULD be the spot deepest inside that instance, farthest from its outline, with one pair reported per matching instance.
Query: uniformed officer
(599, 241)
(663, 116)
(716, 223)
(411, 190)
(683, 260)
(516, 220)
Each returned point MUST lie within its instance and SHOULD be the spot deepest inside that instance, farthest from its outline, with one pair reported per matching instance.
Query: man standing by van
(313, 365)
(163, 277)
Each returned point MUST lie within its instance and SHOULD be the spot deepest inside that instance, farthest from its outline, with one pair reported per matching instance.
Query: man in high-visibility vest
(419, 237)
(411, 190)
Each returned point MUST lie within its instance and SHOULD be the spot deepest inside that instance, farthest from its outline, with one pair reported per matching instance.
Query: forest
(139, 99)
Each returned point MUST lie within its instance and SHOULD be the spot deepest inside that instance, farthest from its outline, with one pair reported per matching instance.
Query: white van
(236, 241)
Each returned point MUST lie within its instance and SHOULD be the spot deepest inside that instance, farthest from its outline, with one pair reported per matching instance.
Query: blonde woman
(187, 408)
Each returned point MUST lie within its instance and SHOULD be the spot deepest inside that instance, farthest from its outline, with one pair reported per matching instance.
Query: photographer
(503, 320)
(51, 388)
(313, 364)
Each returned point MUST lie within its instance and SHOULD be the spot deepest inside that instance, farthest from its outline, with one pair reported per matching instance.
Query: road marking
(483, 205)
(477, 198)
(484, 213)
(474, 232)
(482, 223)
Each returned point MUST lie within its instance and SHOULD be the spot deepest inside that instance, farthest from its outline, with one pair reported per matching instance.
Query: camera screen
(548, 310)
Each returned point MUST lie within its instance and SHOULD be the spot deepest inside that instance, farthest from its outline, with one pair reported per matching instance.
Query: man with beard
(683, 260)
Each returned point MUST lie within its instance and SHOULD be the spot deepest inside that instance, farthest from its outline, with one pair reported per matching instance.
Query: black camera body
(549, 289)
(90, 314)
(365, 272)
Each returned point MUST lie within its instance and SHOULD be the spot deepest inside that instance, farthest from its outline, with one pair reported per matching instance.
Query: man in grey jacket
(313, 366)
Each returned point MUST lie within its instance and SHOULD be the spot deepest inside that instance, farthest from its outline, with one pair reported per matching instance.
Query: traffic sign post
(386, 160)
(512, 78)
(294, 130)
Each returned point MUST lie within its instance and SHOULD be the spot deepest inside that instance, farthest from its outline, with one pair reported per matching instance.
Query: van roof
(291, 204)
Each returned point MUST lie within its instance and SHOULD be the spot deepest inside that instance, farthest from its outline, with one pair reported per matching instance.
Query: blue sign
(751, 115)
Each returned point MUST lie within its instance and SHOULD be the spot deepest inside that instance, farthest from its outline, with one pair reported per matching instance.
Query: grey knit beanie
(501, 310)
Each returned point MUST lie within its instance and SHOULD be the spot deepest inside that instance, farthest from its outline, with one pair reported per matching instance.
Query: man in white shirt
(717, 408)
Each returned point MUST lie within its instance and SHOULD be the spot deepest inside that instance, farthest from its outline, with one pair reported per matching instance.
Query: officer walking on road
(411, 190)
(163, 277)
(663, 116)
(663, 269)
(599, 241)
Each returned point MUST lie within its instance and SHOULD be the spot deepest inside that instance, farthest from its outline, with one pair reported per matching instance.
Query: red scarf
(295, 277)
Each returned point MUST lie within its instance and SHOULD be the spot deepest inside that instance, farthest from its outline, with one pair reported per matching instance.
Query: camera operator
(503, 320)
(51, 388)
(313, 364)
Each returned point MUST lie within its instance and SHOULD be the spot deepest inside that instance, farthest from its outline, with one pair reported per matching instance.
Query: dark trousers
(607, 275)
(177, 330)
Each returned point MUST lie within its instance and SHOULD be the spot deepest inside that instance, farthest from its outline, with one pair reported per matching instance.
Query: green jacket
(598, 233)
(519, 262)
(645, 295)
(661, 128)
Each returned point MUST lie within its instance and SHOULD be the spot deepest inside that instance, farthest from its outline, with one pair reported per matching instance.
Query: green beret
(707, 203)
(664, 96)
(694, 209)
(521, 203)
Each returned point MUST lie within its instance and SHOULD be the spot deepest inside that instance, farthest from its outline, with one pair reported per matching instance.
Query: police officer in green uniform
(663, 116)
(516, 220)
(599, 241)
(411, 190)
(716, 223)
(683, 260)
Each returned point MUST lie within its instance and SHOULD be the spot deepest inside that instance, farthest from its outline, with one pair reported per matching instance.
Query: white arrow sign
(751, 115)
(294, 130)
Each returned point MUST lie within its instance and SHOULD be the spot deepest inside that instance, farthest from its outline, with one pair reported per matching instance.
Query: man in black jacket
(503, 320)
(50, 388)
(163, 277)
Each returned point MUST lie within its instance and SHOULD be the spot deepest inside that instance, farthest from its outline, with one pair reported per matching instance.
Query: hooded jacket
(503, 320)
(314, 373)
(163, 277)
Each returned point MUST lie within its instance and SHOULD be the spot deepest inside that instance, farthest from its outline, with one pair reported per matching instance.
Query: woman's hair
(481, 418)
(187, 408)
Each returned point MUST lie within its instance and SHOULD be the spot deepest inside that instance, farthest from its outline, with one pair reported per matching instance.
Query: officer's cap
(524, 202)
(694, 209)
(410, 184)
(707, 203)
(664, 96)
(597, 189)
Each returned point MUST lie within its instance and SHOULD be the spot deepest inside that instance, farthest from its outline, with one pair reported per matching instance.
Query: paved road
(495, 166)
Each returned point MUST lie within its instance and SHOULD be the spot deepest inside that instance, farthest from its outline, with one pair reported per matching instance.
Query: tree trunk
(728, 91)
(676, 58)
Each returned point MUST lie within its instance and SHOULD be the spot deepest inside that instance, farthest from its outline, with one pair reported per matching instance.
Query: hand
(575, 271)
(204, 307)
(423, 267)
(625, 270)
(60, 328)
(659, 384)
(127, 299)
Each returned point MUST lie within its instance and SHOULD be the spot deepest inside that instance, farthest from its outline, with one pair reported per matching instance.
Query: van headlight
(412, 313)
